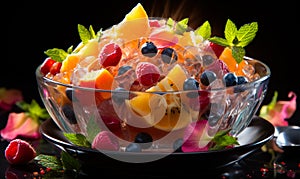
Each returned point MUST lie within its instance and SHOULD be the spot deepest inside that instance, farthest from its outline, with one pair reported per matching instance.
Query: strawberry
(110, 55)
(55, 68)
(106, 140)
(147, 73)
(46, 65)
(218, 49)
(19, 152)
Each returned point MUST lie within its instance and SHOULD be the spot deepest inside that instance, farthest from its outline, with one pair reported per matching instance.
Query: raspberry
(147, 73)
(19, 152)
(105, 140)
(110, 55)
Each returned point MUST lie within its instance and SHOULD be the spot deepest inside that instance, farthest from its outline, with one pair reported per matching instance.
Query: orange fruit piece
(231, 63)
(99, 79)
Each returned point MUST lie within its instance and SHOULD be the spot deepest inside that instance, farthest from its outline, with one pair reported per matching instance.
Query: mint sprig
(222, 139)
(34, 110)
(179, 27)
(236, 38)
(59, 164)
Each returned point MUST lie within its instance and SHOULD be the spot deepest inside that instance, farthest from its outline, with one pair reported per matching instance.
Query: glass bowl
(160, 118)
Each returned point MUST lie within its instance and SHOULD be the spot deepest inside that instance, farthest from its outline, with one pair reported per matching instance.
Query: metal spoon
(289, 139)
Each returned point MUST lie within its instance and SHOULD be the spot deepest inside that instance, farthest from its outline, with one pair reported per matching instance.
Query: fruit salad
(150, 83)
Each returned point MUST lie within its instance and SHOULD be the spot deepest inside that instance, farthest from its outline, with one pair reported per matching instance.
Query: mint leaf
(84, 34)
(204, 30)
(77, 139)
(56, 54)
(238, 53)
(92, 129)
(70, 50)
(69, 163)
(246, 34)
(219, 41)
(92, 32)
(33, 110)
(180, 27)
(222, 139)
(230, 31)
(49, 161)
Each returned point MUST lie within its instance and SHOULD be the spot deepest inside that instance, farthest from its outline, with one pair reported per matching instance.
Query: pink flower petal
(9, 97)
(282, 111)
(20, 125)
(192, 136)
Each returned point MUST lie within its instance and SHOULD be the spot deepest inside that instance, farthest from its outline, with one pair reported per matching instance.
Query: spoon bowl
(289, 139)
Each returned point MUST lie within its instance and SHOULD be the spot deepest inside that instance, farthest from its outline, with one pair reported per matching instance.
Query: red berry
(147, 73)
(110, 55)
(19, 152)
(218, 49)
(55, 68)
(46, 66)
(106, 140)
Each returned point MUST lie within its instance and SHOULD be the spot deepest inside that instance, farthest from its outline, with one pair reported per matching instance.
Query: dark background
(30, 28)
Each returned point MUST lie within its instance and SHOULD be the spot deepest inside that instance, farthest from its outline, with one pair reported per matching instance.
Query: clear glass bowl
(127, 113)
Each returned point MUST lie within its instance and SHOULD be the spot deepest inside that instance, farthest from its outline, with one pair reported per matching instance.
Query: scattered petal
(20, 125)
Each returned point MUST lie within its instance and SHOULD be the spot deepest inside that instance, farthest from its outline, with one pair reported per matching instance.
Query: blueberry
(230, 79)
(124, 69)
(240, 80)
(149, 49)
(207, 77)
(133, 147)
(119, 95)
(191, 84)
(68, 111)
(169, 55)
(144, 139)
(177, 145)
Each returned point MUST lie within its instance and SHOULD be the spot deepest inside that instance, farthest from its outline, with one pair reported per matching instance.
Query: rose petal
(20, 125)
(193, 134)
(9, 97)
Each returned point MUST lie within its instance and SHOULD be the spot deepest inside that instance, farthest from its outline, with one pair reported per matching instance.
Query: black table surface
(258, 164)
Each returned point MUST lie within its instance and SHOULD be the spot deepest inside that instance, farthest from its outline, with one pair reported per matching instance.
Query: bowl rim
(267, 75)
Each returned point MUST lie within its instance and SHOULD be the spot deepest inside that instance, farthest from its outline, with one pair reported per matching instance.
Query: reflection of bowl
(128, 113)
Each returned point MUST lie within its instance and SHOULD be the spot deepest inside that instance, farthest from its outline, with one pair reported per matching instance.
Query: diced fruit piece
(106, 140)
(231, 63)
(147, 73)
(136, 13)
(218, 49)
(110, 55)
(89, 49)
(164, 112)
(135, 24)
(19, 152)
(69, 63)
(46, 65)
(100, 79)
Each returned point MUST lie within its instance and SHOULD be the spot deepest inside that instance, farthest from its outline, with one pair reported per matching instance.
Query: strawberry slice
(19, 152)
(106, 140)
(218, 49)
(46, 66)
